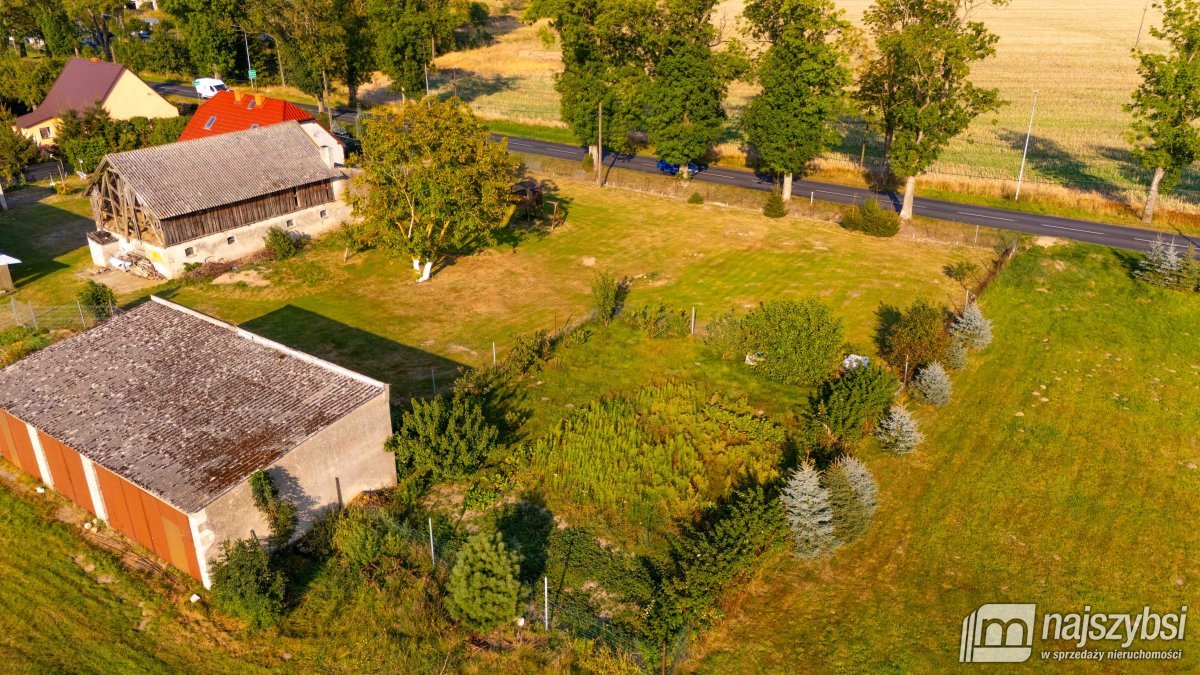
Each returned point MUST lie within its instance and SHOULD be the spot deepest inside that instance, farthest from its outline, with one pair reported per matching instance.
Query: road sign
(253, 74)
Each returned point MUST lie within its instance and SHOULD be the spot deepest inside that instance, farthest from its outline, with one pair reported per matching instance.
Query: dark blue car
(673, 169)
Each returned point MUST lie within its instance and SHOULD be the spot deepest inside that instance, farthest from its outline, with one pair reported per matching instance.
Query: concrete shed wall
(343, 460)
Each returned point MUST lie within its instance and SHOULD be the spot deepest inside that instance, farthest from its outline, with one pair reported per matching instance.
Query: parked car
(673, 169)
(208, 87)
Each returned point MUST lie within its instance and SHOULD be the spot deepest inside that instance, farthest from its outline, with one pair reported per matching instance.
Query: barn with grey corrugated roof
(155, 420)
(212, 199)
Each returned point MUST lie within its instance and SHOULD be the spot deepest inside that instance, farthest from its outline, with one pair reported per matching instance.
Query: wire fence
(75, 316)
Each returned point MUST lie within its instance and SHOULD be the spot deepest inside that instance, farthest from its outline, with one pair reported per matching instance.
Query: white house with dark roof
(212, 199)
(155, 420)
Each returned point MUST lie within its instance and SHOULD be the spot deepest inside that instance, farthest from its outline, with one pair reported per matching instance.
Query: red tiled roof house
(231, 111)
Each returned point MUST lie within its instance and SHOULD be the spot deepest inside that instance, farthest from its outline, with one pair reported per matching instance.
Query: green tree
(916, 87)
(280, 515)
(435, 179)
(208, 26)
(1166, 105)
(56, 28)
(800, 341)
(604, 52)
(404, 34)
(897, 432)
(852, 498)
(973, 327)
(24, 83)
(448, 436)
(18, 21)
(97, 299)
(483, 587)
(16, 151)
(917, 337)
(856, 399)
(803, 76)
(244, 584)
(933, 384)
(688, 80)
(607, 293)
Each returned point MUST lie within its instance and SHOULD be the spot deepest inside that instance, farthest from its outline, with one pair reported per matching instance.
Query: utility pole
(1137, 43)
(249, 67)
(1028, 135)
(426, 80)
(600, 144)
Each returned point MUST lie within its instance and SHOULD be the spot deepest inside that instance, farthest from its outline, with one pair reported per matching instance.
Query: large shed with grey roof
(212, 199)
(155, 420)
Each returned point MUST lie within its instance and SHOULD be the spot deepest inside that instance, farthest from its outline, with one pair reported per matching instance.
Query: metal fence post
(33, 316)
(82, 318)
(16, 315)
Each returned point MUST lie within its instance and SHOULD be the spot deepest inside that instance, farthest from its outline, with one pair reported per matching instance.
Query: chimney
(237, 96)
(258, 99)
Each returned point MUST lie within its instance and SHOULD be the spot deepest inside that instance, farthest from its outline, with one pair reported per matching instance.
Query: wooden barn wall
(232, 216)
(67, 468)
(147, 520)
(16, 446)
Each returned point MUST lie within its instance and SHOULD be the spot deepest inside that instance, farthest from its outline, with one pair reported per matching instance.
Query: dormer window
(211, 121)
(254, 126)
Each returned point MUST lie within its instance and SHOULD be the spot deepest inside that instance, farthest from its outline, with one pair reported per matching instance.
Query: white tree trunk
(3, 200)
(787, 186)
(1152, 196)
(417, 265)
(910, 187)
(425, 275)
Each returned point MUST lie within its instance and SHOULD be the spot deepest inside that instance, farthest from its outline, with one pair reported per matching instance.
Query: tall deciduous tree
(1166, 106)
(16, 151)
(94, 15)
(208, 27)
(404, 34)
(916, 88)
(688, 81)
(433, 180)
(803, 75)
(604, 67)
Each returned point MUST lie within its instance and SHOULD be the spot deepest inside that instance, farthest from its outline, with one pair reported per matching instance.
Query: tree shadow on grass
(1055, 162)
(537, 221)
(36, 234)
(410, 371)
(469, 86)
(886, 318)
(526, 527)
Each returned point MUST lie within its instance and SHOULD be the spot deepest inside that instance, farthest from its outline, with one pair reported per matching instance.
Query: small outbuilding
(212, 199)
(155, 420)
(6, 281)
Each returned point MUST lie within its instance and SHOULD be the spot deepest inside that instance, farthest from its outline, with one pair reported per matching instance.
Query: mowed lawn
(1064, 473)
(369, 315)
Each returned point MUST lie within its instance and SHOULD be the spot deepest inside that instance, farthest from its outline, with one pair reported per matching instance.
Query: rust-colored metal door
(149, 521)
(18, 449)
(67, 468)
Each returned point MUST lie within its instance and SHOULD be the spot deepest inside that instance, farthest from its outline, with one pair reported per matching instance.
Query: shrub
(366, 537)
(607, 294)
(898, 433)
(774, 207)
(483, 586)
(869, 218)
(800, 340)
(695, 198)
(447, 436)
(660, 321)
(806, 504)
(855, 399)
(956, 353)
(245, 586)
(529, 352)
(973, 327)
(725, 335)
(280, 515)
(15, 334)
(918, 337)
(933, 384)
(97, 299)
(1160, 266)
(282, 244)
(588, 163)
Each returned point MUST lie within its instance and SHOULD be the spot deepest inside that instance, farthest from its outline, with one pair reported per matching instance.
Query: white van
(208, 87)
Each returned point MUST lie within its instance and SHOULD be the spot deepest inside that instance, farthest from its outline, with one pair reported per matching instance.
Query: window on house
(211, 121)
(254, 126)
(44, 132)
(291, 223)
(322, 213)
(189, 251)
(229, 240)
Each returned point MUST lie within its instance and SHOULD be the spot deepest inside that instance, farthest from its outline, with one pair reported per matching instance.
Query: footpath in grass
(1063, 473)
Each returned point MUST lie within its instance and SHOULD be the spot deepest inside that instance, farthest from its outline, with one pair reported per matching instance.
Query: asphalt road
(1117, 236)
